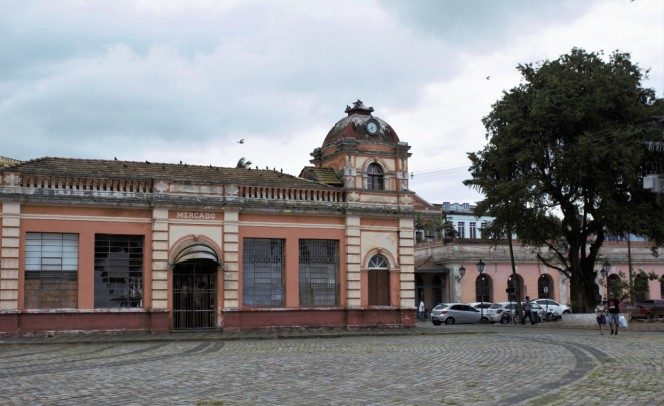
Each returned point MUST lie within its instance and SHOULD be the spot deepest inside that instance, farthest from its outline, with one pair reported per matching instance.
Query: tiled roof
(322, 175)
(68, 167)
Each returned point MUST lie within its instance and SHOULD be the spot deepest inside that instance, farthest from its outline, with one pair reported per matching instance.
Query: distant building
(462, 217)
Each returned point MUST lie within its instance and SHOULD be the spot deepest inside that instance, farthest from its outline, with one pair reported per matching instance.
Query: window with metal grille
(374, 177)
(51, 271)
(319, 267)
(263, 272)
(118, 271)
(379, 281)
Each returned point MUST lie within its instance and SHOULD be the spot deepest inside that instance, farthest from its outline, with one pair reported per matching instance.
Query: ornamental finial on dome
(358, 107)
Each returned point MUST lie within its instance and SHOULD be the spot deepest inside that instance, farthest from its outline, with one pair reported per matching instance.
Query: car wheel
(567, 312)
(449, 320)
(504, 320)
(436, 322)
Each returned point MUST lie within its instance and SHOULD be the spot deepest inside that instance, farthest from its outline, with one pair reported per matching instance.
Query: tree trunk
(584, 290)
(517, 287)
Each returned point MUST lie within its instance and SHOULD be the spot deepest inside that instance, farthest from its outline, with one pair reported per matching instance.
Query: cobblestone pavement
(444, 365)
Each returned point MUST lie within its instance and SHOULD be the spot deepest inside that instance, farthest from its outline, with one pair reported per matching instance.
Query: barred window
(263, 272)
(118, 271)
(379, 281)
(51, 271)
(319, 267)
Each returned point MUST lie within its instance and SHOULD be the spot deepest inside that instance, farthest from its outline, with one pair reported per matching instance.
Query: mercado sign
(195, 215)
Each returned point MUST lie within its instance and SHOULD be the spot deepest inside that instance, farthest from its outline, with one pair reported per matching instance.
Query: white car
(453, 313)
(498, 310)
(550, 305)
(483, 307)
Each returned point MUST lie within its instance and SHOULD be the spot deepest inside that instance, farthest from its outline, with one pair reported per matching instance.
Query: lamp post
(480, 268)
(606, 269)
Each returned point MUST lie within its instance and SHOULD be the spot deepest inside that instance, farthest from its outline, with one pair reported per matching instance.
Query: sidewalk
(424, 327)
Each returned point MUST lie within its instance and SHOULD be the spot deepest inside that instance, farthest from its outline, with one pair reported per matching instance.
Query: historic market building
(115, 245)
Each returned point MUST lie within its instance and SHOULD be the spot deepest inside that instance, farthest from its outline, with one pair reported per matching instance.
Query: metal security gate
(194, 294)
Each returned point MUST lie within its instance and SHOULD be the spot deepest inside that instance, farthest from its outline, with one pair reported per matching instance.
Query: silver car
(453, 313)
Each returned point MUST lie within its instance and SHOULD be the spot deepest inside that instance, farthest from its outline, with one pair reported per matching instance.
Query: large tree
(563, 165)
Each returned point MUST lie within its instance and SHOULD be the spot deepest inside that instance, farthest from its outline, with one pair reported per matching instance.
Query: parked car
(648, 309)
(549, 304)
(496, 311)
(453, 313)
(483, 307)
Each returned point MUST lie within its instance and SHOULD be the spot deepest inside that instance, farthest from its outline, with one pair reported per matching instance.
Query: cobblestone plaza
(446, 365)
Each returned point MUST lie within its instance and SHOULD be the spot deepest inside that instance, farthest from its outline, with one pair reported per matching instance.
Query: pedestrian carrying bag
(622, 321)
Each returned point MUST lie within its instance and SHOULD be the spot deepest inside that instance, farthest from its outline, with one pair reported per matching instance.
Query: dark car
(651, 308)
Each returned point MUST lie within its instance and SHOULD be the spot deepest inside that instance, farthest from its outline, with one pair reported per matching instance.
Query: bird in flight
(241, 141)
(488, 77)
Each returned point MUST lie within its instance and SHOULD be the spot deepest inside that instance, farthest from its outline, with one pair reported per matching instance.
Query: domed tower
(365, 153)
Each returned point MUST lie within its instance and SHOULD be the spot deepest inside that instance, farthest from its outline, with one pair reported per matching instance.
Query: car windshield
(496, 306)
(440, 306)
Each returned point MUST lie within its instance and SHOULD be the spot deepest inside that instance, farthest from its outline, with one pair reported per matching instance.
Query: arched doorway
(545, 287)
(195, 288)
(512, 288)
(483, 288)
(379, 281)
(641, 288)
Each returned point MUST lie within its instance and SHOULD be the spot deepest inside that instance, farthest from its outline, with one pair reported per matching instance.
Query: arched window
(483, 288)
(374, 177)
(545, 287)
(379, 281)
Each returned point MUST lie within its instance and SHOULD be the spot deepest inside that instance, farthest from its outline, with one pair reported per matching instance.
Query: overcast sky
(170, 81)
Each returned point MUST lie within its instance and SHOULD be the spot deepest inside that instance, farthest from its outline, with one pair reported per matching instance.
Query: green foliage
(243, 163)
(564, 161)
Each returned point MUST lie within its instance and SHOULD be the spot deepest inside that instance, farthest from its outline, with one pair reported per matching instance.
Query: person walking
(420, 310)
(600, 315)
(614, 313)
(527, 310)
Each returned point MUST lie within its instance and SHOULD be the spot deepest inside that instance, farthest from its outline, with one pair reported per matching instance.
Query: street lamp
(480, 268)
(606, 269)
(462, 272)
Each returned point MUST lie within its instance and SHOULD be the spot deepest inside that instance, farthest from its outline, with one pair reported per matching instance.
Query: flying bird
(241, 141)
(488, 77)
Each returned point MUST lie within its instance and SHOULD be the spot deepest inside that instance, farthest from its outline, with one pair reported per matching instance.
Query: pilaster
(407, 263)
(231, 241)
(160, 258)
(9, 255)
(353, 265)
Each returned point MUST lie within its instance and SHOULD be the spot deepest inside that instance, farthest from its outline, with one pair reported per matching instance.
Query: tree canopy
(564, 162)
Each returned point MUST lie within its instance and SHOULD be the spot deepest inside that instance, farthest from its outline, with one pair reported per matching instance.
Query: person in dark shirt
(613, 305)
(528, 312)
